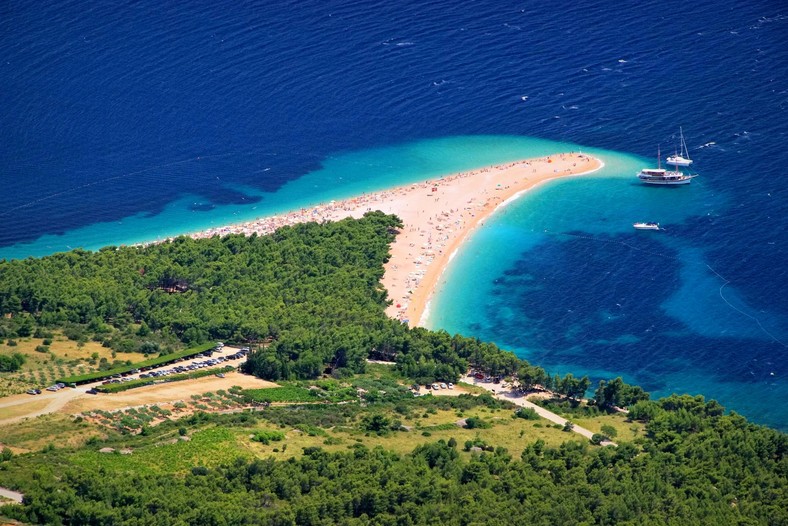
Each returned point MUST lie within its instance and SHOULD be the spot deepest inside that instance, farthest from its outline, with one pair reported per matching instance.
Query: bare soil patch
(161, 393)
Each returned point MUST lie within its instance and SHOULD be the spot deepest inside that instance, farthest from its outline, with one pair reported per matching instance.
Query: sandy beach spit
(438, 215)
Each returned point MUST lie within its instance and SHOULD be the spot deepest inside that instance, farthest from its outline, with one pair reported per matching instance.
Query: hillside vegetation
(342, 441)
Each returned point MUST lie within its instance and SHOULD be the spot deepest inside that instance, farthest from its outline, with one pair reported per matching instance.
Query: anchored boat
(646, 226)
(681, 158)
(661, 176)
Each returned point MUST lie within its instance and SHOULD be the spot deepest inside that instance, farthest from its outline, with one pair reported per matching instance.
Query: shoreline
(511, 181)
(438, 216)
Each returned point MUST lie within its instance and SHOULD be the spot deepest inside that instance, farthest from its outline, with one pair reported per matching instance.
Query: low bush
(528, 413)
(266, 437)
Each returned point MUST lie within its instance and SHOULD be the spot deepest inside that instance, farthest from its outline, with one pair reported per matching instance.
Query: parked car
(443, 386)
(450, 385)
(34, 391)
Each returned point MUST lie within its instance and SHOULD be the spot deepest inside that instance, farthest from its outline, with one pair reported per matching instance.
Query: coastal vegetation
(342, 440)
(368, 464)
(310, 290)
(308, 299)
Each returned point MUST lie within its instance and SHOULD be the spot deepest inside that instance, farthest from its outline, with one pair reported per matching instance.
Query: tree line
(307, 298)
(694, 466)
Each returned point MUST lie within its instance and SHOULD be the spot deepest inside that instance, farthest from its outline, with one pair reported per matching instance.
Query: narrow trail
(541, 411)
(56, 402)
(12, 495)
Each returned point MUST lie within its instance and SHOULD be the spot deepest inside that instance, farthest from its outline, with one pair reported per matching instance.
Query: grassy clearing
(218, 439)
(58, 430)
(62, 347)
(295, 393)
(513, 434)
(593, 419)
(13, 411)
(64, 358)
(208, 447)
(472, 389)
(625, 431)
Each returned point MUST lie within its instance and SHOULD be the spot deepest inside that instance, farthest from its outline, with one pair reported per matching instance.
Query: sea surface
(124, 122)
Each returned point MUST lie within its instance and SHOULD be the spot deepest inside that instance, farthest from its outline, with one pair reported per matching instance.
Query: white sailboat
(682, 158)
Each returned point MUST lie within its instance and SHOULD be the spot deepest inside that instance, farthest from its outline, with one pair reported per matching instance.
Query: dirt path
(56, 401)
(520, 400)
(163, 393)
(76, 400)
(13, 495)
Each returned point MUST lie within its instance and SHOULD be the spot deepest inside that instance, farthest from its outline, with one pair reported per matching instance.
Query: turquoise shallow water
(339, 176)
(131, 122)
(561, 278)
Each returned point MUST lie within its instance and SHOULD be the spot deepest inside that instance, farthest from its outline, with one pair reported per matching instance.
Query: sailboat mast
(684, 150)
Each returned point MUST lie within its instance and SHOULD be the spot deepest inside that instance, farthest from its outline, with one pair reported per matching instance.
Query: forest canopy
(308, 299)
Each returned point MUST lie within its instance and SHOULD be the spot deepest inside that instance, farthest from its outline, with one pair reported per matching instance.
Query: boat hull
(679, 161)
(667, 182)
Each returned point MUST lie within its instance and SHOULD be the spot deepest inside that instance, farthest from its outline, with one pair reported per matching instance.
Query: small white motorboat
(646, 226)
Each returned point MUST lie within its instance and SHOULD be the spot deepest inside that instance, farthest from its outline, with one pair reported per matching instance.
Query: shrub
(474, 422)
(12, 363)
(312, 430)
(376, 423)
(609, 431)
(266, 437)
(528, 413)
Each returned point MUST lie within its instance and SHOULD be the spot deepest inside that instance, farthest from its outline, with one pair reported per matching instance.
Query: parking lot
(217, 357)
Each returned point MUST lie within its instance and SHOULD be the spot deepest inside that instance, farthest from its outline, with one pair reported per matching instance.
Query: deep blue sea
(131, 121)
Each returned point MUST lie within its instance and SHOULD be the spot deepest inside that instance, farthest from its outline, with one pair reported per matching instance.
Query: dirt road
(518, 399)
(76, 400)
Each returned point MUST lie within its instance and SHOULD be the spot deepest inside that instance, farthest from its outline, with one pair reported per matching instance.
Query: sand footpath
(437, 214)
